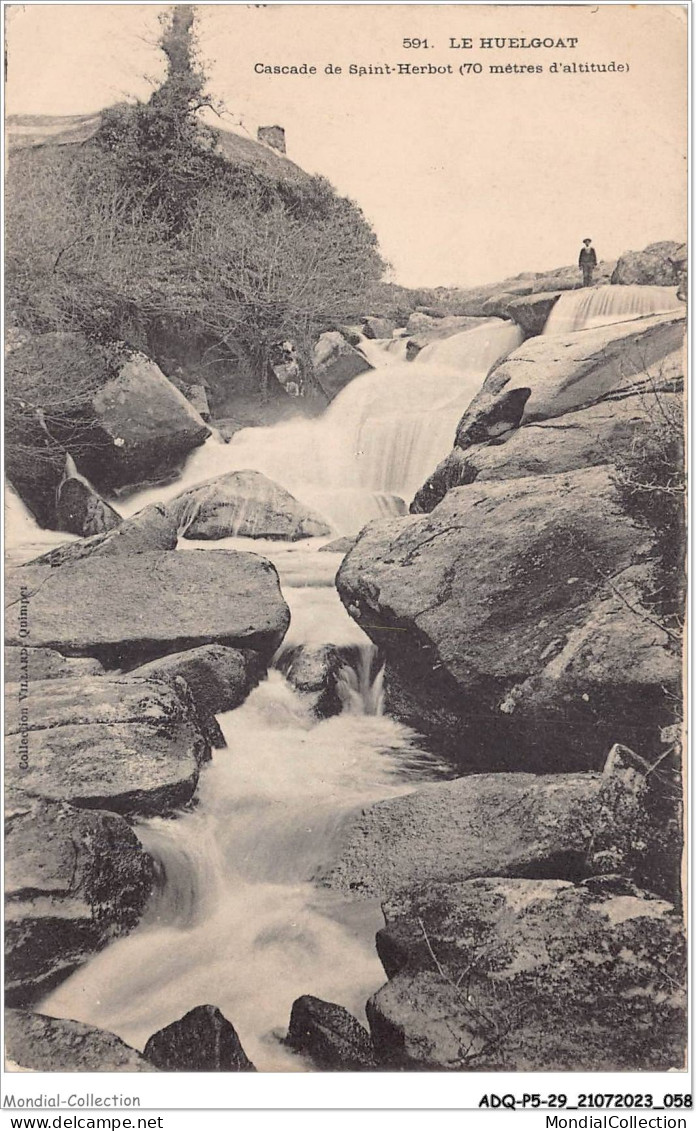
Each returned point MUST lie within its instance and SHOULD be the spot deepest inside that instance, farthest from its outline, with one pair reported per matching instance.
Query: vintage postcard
(345, 552)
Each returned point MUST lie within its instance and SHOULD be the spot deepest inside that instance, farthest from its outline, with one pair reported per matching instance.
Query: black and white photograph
(345, 552)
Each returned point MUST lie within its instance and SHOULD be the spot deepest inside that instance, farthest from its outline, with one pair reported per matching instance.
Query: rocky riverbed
(516, 811)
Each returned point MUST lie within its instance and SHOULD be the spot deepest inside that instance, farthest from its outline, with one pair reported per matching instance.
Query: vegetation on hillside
(148, 229)
(651, 482)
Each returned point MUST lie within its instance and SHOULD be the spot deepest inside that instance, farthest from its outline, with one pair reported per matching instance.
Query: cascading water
(24, 538)
(237, 920)
(376, 443)
(599, 306)
(383, 351)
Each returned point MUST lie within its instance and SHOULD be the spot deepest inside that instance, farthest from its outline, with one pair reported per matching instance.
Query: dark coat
(588, 257)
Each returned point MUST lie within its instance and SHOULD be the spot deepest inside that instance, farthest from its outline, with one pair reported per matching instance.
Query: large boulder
(337, 363)
(74, 880)
(203, 1040)
(129, 611)
(531, 311)
(658, 264)
(591, 436)
(35, 465)
(549, 376)
(330, 1035)
(531, 975)
(246, 504)
(134, 747)
(512, 625)
(113, 410)
(374, 327)
(152, 528)
(314, 670)
(48, 1044)
(26, 665)
(81, 510)
(479, 825)
(148, 426)
(218, 678)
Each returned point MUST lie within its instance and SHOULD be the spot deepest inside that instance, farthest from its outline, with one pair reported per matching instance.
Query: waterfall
(599, 306)
(236, 920)
(24, 538)
(383, 351)
(377, 441)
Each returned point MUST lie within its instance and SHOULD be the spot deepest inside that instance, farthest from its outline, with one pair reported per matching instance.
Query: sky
(466, 178)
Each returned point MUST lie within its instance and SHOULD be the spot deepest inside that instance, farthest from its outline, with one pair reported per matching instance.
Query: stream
(237, 919)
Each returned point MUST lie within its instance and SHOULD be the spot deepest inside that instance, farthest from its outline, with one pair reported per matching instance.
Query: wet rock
(219, 679)
(153, 528)
(201, 1041)
(549, 376)
(497, 622)
(314, 671)
(531, 311)
(653, 266)
(498, 305)
(36, 480)
(352, 334)
(129, 746)
(378, 328)
(455, 470)
(198, 397)
(227, 427)
(531, 975)
(157, 603)
(425, 329)
(339, 545)
(74, 880)
(337, 363)
(81, 510)
(30, 664)
(591, 436)
(330, 1035)
(246, 504)
(481, 825)
(50, 1044)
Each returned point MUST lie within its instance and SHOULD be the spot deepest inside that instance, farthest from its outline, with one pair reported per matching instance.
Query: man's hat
(587, 240)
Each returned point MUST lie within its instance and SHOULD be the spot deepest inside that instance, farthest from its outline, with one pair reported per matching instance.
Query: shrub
(149, 227)
(651, 481)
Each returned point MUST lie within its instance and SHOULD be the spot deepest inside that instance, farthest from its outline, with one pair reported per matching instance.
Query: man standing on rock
(587, 262)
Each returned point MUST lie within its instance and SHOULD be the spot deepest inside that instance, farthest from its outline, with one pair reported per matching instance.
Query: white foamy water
(376, 443)
(24, 538)
(600, 306)
(236, 921)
